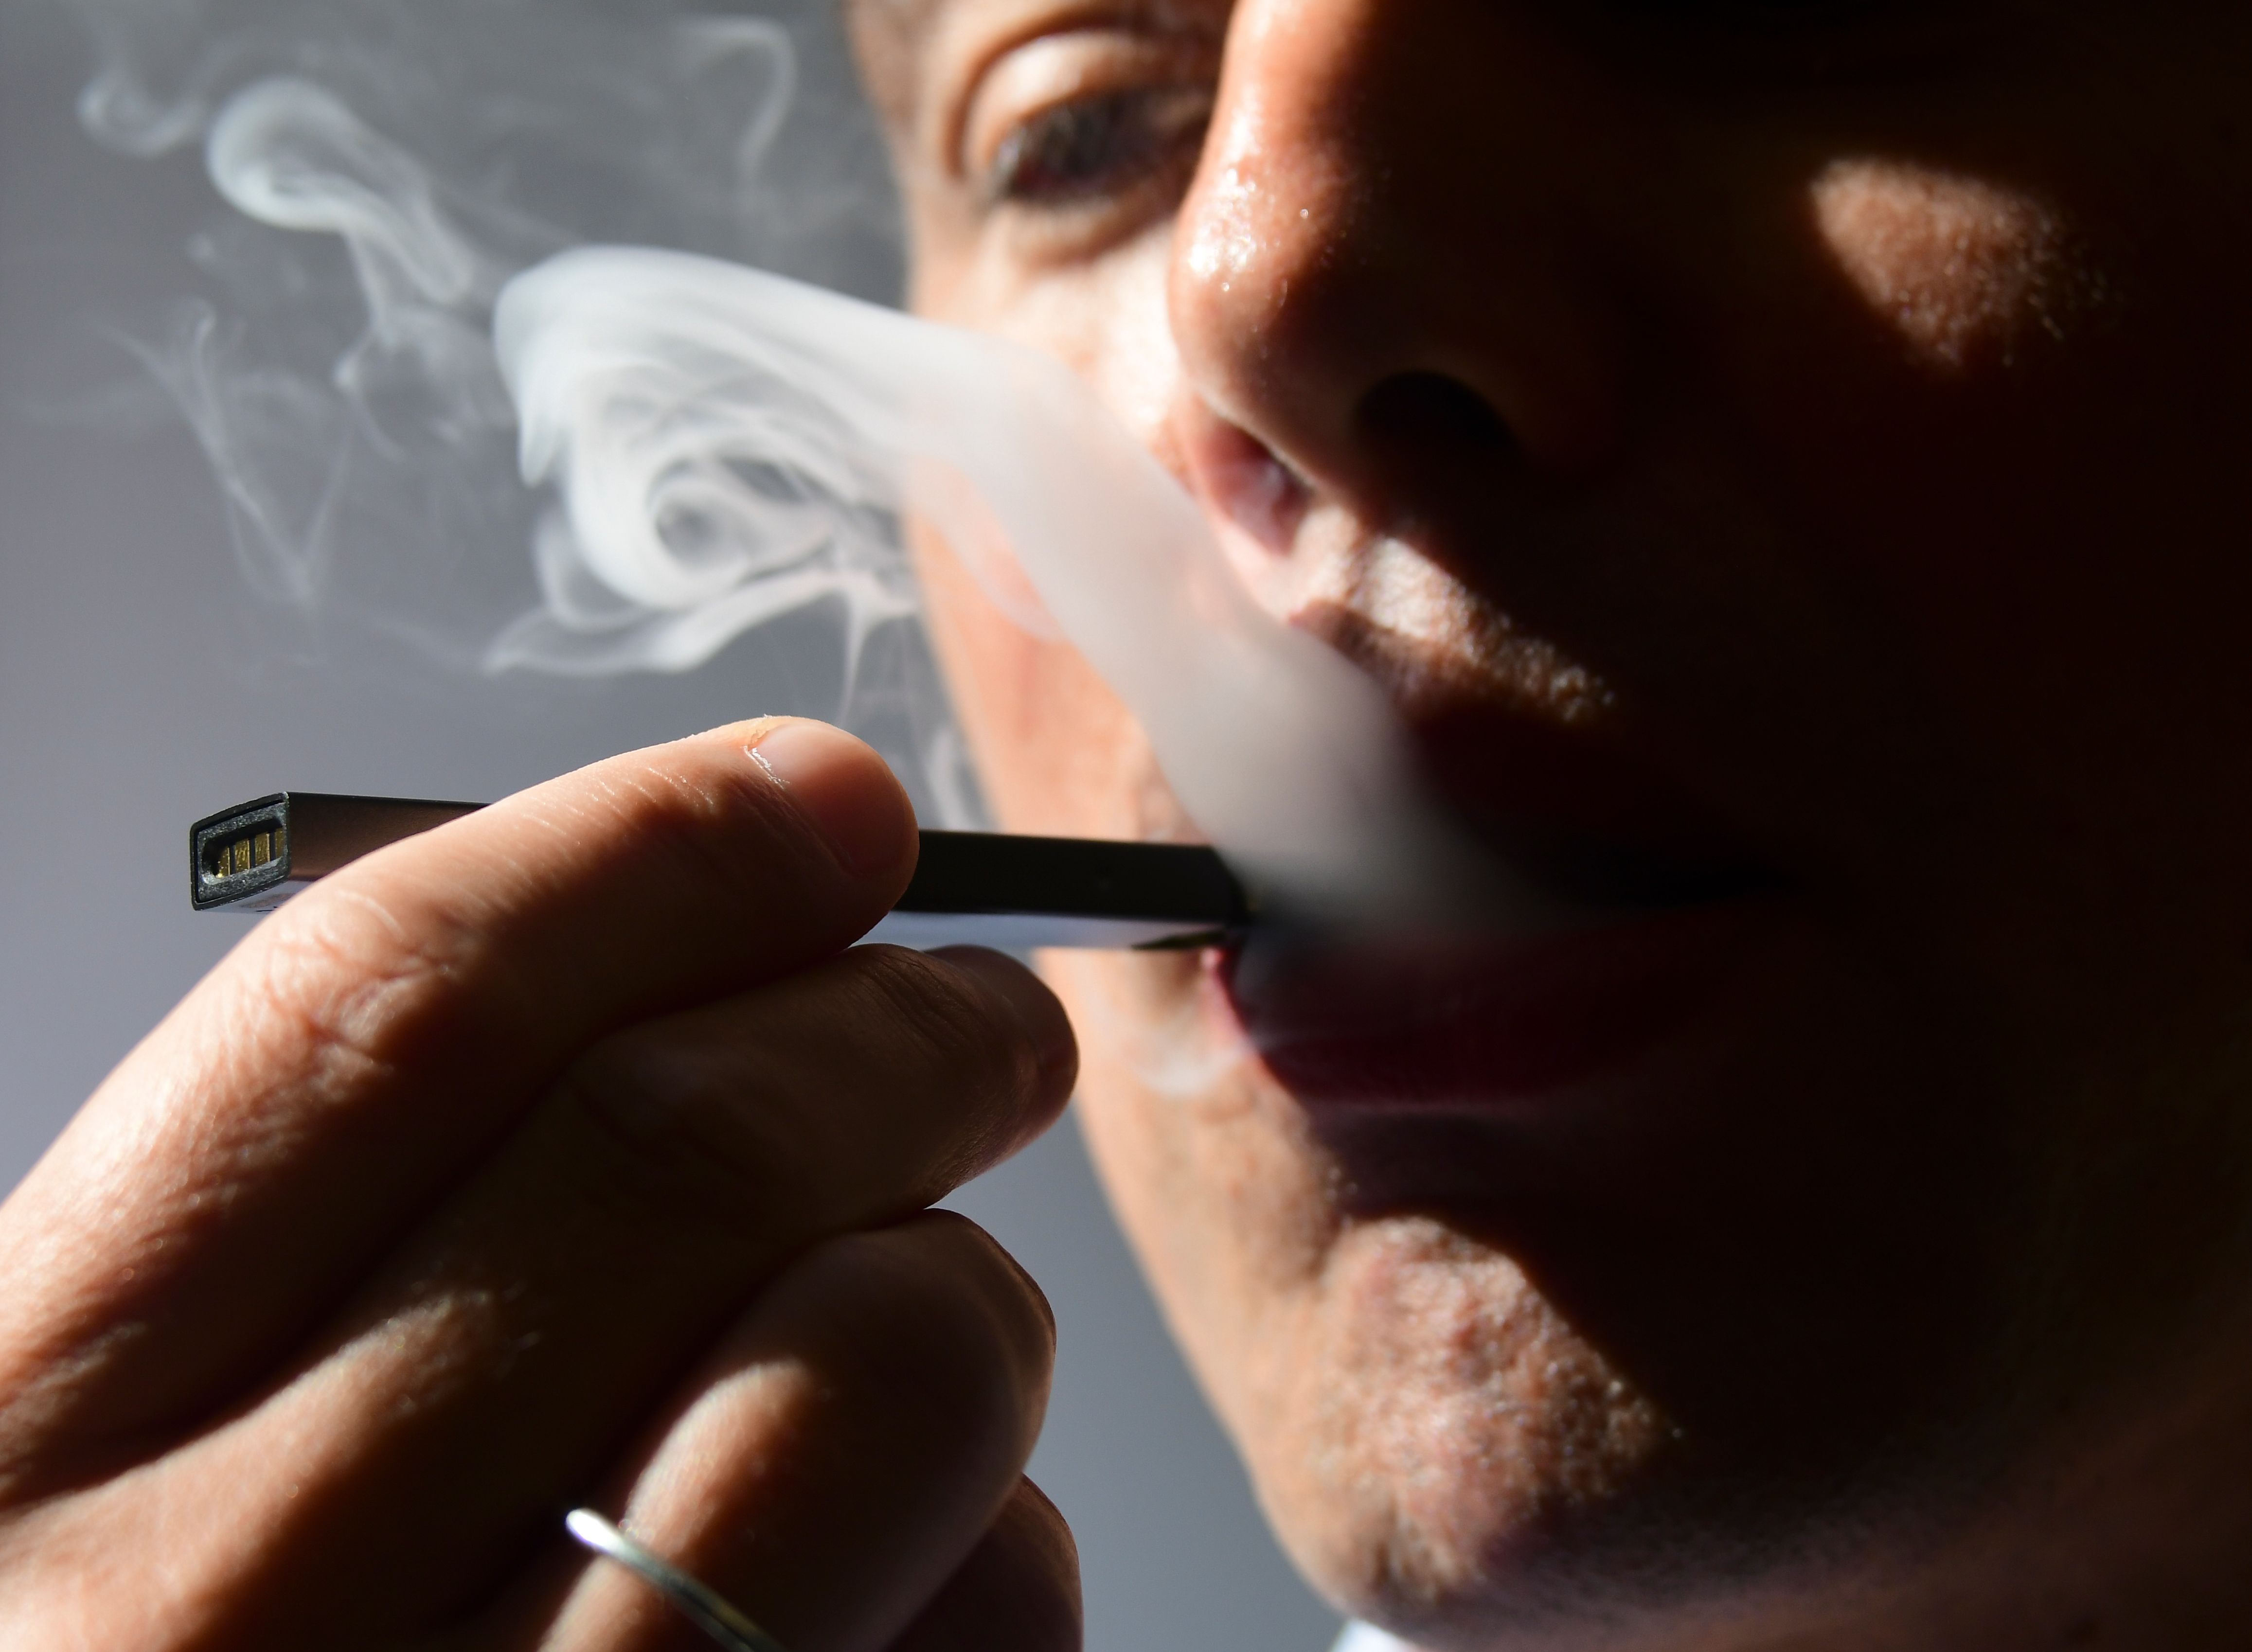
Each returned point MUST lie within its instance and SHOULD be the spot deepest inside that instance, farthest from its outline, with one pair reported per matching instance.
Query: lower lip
(1445, 1024)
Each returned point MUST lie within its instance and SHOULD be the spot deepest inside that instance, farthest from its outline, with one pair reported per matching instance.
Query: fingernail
(1040, 1011)
(843, 788)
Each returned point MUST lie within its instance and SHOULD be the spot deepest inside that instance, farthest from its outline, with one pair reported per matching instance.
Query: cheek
(1959, 268)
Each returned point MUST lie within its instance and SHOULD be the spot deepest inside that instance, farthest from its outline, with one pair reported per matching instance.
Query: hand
(562, 1155)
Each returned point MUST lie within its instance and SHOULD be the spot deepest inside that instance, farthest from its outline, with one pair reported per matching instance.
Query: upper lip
(1572, 809)
(1568, 803)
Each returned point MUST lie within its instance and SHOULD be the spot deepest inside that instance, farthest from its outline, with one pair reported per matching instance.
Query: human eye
(1102, 127)
(1088, 147)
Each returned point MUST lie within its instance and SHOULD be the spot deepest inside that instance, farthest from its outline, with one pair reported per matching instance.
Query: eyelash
(1089, 149)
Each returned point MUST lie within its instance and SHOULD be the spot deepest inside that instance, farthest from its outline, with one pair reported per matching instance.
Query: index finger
(360, 1049)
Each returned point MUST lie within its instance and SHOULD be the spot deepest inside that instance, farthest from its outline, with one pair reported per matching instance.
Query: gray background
(140, 686)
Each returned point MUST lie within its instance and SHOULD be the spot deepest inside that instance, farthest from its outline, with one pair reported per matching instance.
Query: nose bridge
(1277, 203)
(1379, 202)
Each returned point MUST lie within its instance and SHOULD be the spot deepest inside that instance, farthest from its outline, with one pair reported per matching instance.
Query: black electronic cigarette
(990, 888)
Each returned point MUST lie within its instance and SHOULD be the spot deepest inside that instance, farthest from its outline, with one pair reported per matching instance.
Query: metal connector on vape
(988, 888)
(253, 857)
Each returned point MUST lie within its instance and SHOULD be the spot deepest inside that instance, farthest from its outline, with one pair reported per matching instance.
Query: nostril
(1427, 419)
(1240, 476)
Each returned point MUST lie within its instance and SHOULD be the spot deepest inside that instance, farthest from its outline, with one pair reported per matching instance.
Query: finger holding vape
(360, 1052)
(252, 1173)
(847, 1459)
(485, 1376)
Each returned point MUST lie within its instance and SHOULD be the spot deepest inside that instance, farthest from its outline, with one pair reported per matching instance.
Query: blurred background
(144, 681)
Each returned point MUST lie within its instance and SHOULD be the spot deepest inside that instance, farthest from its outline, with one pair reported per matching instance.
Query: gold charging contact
(231, 858)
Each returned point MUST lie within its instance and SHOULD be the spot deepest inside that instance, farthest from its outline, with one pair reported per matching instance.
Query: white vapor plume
(706, 448)
(388, 164)
(287, 152)
(657, 386)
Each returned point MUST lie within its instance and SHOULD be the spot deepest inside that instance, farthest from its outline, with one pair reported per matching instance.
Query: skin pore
(1779, 450)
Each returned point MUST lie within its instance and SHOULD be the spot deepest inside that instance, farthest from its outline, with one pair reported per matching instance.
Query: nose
(1390, 266)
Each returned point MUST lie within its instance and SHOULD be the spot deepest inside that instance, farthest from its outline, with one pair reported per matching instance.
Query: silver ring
(699, 1603)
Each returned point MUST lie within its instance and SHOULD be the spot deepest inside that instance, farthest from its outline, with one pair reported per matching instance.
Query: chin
(1484, 1400)
(1440, 1452)
(1443, 1456)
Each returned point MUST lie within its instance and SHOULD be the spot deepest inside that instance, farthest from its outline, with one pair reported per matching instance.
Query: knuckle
(705, 822)
(937, 1295)
(374, 975)
(979, 1283)
(659, 1127)
(1018, 1592)
(713, 827)
(1010, 1296)
(986, 1268)
(954, 1032)
(355, 978)
(331, 1005)
(754, 1112)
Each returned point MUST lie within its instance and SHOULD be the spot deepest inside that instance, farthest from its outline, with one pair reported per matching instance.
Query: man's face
(1785, 462)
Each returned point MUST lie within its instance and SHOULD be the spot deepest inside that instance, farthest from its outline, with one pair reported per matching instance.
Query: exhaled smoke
(657, 388)
(389, 163)
(718, 446)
